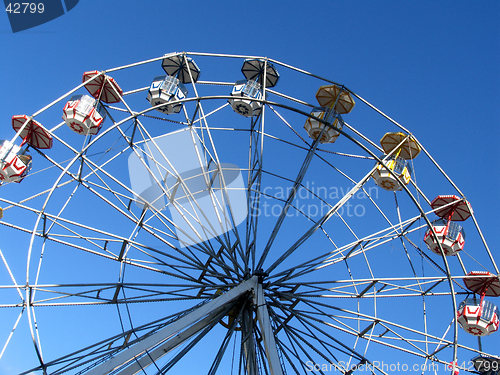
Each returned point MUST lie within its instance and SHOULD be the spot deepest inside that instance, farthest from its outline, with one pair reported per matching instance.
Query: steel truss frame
(296, 317)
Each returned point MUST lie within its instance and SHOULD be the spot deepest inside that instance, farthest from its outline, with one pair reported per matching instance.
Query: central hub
(261, 274)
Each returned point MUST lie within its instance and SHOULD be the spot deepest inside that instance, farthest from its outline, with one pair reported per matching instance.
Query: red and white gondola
(450, 236)
(83, 114)
(480, 317)
(14, 165)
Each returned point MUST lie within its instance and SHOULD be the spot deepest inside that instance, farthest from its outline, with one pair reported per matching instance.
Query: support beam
(137, 350)
(172, 343)
(437, 351)
(370, 326)
(117, 292)
(433, 286)
(248, 342)
(367, 288)
(267, 333)
(356, 246)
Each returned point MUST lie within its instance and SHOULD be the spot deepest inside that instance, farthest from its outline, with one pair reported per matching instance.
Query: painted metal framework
(296, 297)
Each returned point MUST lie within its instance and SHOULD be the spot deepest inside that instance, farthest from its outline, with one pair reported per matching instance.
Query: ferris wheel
(209, 213)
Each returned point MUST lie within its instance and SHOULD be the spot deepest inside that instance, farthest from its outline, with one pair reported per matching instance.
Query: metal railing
(453, 230)
(252, 89)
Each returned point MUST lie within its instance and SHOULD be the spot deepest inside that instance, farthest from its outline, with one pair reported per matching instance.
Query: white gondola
(167, 90)
(478, 319)
(246, 96)
(13, 167)
(451, 237)
(84, 115)
(315, 127)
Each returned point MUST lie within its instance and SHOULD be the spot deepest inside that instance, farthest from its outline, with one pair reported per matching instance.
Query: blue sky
(432, 66)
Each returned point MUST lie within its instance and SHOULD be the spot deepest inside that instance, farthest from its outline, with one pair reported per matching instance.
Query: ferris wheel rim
(264, 102)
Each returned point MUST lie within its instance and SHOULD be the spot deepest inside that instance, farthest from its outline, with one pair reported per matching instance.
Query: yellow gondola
(402, 148)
